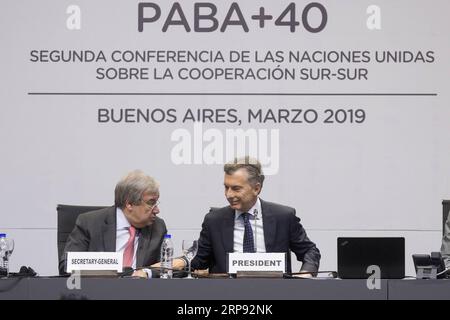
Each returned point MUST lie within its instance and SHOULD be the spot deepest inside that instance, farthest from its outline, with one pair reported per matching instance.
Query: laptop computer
(355, 254)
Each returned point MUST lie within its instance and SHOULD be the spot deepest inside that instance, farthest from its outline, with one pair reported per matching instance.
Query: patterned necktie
(129, 248)
(249, 245)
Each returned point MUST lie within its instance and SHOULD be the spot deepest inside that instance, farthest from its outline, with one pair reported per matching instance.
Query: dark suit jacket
(282, 232)
(96, 231)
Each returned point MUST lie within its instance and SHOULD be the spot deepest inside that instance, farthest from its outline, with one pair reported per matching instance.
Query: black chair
(445, 212)
(67, 216)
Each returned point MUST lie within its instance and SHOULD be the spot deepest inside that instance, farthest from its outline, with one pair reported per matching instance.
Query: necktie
(249, 245)
(129, 248)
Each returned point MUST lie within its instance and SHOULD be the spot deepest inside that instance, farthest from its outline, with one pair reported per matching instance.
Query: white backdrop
(385, 176)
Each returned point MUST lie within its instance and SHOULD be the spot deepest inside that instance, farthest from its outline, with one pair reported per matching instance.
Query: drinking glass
(190, 248)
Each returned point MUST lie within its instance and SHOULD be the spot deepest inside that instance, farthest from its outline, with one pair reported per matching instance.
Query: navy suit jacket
(282, 233)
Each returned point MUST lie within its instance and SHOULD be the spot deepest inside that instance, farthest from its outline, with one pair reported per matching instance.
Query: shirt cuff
(148, 272)
(186, 261)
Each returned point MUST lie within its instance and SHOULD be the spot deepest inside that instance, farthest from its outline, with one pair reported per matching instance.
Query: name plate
(259, 261)
(98, 261)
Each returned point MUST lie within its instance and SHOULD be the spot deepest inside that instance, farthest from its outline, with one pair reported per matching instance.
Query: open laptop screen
(355, 254)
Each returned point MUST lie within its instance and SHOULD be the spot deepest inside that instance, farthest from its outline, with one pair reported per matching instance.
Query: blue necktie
(249, 246)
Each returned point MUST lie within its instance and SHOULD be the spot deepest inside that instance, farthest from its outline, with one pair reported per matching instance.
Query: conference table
(54, 288)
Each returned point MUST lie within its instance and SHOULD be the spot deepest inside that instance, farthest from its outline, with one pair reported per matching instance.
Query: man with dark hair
(130, 227)
(250, 224)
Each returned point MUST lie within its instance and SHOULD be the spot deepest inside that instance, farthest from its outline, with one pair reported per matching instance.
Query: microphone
(255, 213)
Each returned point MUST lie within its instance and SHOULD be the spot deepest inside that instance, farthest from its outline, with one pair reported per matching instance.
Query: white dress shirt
(256, 223)
(123, 234)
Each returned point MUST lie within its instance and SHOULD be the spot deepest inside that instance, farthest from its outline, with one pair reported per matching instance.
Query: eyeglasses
(151, 204)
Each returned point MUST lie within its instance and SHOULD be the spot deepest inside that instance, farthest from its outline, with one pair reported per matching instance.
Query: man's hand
(178, 264)
(140, 274)
(202, 273)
